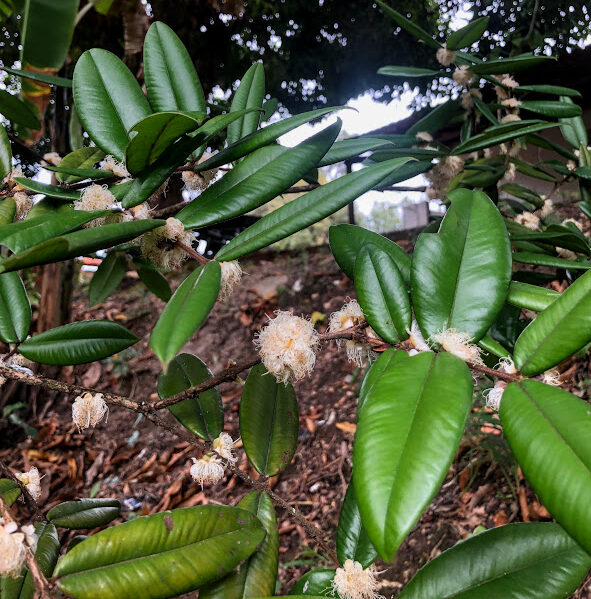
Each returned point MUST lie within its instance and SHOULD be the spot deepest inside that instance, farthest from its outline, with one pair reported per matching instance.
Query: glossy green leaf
(15, 309)
(492, 346)
(5, 155)
(346, 242)
(106, 278)
(185, 311)
(166, 554)
(569, 237)
(7, 213)
(256, 180)
(460, 276)
(257, 575)
(467, 35)
(521, 561)
(352, 540)
(317, 582)
(551, 108)
(80, 173)
(523, 193)
(75, 132)
(154, 281)
(307, 209)
(573, 129)
(350, 148)
(84, 513)
(261, 138)
(382, 294)
(408, 433)
(171, 80)
(108, 99)
(9, 490)
(269, 421)
(53, 191)
(40, 77)
(155, 134)
(83, 158)
(203, 414)
(545, 260)
(530, 297)
(510, 65)
(549, 431)
(554, 90)
(249, 94)
(18, 111)
(79, 243)
(395, 71)
(77, 343)
(409, 26)
(437, 118)
(559, 331)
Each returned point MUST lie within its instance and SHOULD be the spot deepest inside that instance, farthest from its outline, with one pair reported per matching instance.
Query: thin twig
(195, 255)
(27, 497)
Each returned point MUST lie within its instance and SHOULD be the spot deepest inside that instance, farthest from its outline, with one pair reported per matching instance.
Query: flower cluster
(463, 76)
(349, 316)
(209, 468)
(458, 343)
(88, 410)
(444, 56)
(441, 175)
(32, 481)
(96, 197)
(528, 219)
(160, 245)
(353, 582)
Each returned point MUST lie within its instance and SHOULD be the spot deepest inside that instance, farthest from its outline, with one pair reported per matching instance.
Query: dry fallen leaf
(347, 427)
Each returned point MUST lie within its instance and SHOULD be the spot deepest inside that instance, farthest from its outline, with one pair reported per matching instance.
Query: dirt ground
(148, 469)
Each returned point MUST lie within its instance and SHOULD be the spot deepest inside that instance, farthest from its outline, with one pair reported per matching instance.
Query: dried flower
(13, 551)
(507, 365)
(198, 181)
(287, 346)
(223, 446)
(441, 175)
(462, 76)
(566, 254)
(552, 377)
(24, 203)
(510, 118)
(511, 103)
(110, 163)
(52, 158)
(160, 247)
(88, 410)
(95, 197)
(575, 222)
(141, 211)
(509, 82)
(353, 582)
(416, 337)
(444, 56)
(32, 481)
(424, 136)
(528, 219)
(349, 316)
(458, 343)
(231, 275)
(207, 469)
(9, 179)
(547, 209)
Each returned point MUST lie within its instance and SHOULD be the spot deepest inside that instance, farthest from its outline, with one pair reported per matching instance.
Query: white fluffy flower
(223, 446)
(528, 219)
(32, 481)
(417, 339)
(509, 82)
(511, 103)
(23, 203)
(52, 158)
(231, 275)
(287, 346)
(110, 163)
(349, 316)
(13, 550)
(495, 395)
(353, 582)
(160, 247)
(207, 469)
(444, 56)
(95, 197)
(458, 343)
(510, 118)
(88, 410)
(462, 76)
(547, 209)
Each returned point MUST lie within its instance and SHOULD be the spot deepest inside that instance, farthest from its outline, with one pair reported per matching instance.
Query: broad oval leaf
(257, 575)
(408, 433)
(77, 343)
(83, 158)
(522, 560)
(352, 540)
(382, 294)
(531, 297)
(171, 80)
(258, 179)
(15, 309)
(165, 555)
(185, 311)
(269, 421)
(307, 209)
(467, 35)
(18, 111)
(203, 414)
(549, 431)
(109, 100)
(106, 278)
(84, 513)
(559, 331)
(460, 276)
(249, 94)
(317, 582)
(346, 242)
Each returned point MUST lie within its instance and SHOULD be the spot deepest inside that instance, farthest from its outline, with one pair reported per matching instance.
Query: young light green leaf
(84, 513)
(250, 94)
(15, 309)
(9, 490)
(106, 278)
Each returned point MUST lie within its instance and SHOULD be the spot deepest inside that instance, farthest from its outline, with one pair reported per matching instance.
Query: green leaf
(460, 276)
(317, 582)
(346, 242)
(52, 191)
(84, 513)
(394, 71)
(411, 27)
(553, 261)
(155, 134)
(408, 433)
(554, 90)
(549, 431)
(467, 35)
(551, 108)
(80, 173)
(7, 212)
(154, 281)
(106, 278)
(15, 309)
(5, 154)
(249, 94)
(40, 77)
(256, 180)
(9, 490)
(165, 554)
(108, 99)
(256, 576)
(559, 331)
(75, 132)
(307, 209)
(171, 80)
(261, 138)
(203, 414)
(437, 118)
(509, 65)
(84, 158)
(523, 193)
(352, 540)
(16, 110)
(269, 421)
(530, 297)
(382, 294)
(186, 311)
(525, 560)
(573, 129)
(78, 343)
(350, 148)
(557, 235)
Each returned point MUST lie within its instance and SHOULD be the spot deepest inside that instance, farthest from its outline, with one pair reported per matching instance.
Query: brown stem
(498, 374)
(168, 210)
(195, 255)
